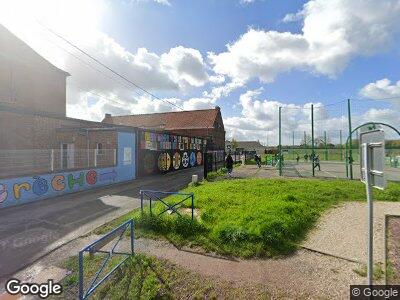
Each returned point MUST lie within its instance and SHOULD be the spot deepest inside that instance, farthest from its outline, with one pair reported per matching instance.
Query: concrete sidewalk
(31, 231)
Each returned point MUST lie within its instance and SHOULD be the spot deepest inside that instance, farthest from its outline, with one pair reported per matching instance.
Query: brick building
(35, 134)
(27, 80)
(205, 123)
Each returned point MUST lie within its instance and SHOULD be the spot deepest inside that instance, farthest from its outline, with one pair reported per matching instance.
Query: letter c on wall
(3, 193)
(58, 183)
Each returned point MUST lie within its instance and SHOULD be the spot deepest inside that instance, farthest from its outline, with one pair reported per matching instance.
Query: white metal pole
(52, 160)
(367, 178)
(95, 157)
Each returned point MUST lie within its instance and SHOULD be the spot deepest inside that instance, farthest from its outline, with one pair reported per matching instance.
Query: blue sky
(281, 53)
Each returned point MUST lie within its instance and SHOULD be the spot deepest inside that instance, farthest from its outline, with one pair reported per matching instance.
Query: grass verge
(144, 277)
(252, 217)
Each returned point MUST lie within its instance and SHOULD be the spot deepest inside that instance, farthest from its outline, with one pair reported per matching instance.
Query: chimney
(107, 118)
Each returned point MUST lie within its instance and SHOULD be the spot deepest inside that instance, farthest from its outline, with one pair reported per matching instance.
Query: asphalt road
(30, 231)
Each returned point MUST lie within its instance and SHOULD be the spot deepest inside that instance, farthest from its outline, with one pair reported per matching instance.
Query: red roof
(194, 119)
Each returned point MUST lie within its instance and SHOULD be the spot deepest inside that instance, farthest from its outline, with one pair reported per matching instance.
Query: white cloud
(162, 2)
(333, 32)
(381, 89)
(259, 120)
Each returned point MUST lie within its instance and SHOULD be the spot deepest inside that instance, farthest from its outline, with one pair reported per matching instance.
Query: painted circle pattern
(176, 162)
(164, 162)
(199, 158)
(192, 159)
(185, 160)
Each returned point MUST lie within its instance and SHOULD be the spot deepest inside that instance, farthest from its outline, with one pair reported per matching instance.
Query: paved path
(343, 231)
(28, 232)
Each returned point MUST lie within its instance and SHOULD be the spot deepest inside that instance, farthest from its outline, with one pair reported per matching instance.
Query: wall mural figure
(185, 160)
(177, 161)
(199, 158)
(164, 161)
(192, 159)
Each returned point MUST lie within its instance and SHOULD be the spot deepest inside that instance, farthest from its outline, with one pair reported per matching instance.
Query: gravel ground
(343, 231)
(393, 235)
(305, 274)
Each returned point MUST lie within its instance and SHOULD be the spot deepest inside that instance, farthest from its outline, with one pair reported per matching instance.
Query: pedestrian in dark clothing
(229, 164)
(306, 157)
(297, 158)
(316, 163)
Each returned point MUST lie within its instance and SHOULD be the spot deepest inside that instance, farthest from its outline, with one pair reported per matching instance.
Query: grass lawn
(144, 277)
(252, 217)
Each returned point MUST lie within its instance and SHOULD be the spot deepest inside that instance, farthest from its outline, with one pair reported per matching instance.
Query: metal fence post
(312, 140)
(350, 140)
(341, 144)
(326, 146)
(141, 201)
(132, 237)
(95, 157)
(293, 144)
(80, 261)
(192, 207)
(280, 142)
(115, 157)
(52, 160)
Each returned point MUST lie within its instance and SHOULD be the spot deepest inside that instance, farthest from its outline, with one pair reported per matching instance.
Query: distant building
(247, 146)
(205, 123)
(27, 80)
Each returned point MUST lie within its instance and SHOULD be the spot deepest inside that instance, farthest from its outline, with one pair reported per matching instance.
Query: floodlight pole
(293, 144)
(368, 187)
(280, 142)
(350, 158)
(312, 139)
(341, 144)
(326, 146)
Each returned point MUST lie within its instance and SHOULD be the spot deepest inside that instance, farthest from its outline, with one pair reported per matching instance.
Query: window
(99, 148)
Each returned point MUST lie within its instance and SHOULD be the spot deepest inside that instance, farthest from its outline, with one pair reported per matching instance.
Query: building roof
(249, 145)
(193, 119)
(12, 44)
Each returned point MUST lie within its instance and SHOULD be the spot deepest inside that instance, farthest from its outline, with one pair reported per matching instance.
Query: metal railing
(35, 161)
(96, 247)
(157, 196)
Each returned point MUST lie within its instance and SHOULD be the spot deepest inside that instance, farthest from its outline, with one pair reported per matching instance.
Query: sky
(249, 57)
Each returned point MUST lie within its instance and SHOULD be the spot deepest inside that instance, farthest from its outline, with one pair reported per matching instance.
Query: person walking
(306, 157)
(229, 164)
(316, 163)
(297, 158)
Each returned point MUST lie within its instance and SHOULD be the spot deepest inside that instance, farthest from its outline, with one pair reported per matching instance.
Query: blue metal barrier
(96, 247)
(154, 196)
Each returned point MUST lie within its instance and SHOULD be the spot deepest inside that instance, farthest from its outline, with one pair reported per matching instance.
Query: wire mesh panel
(322, 140)
(15, 163)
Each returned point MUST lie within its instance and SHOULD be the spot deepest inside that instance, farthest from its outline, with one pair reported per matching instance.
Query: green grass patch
(252, 217)
(145, 277)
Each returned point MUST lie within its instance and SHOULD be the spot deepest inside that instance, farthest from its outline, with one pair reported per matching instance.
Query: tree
(234, 143)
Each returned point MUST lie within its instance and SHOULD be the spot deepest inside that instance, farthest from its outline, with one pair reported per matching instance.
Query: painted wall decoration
(21, 190)
(163, 152)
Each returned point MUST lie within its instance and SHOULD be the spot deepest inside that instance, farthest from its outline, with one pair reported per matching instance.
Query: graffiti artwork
(185, 160)
(177, 161)
(163, 152)
(192, 159)
(28, 188)
(164, 161)
(199, 158)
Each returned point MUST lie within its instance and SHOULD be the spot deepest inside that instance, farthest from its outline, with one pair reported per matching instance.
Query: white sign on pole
(372, 162)
(376, 149)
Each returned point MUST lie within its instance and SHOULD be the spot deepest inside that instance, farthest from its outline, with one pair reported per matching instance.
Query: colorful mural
(162, 152)
(21, 190)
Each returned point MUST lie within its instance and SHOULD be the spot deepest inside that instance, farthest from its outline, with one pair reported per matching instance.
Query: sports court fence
(322, 140)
